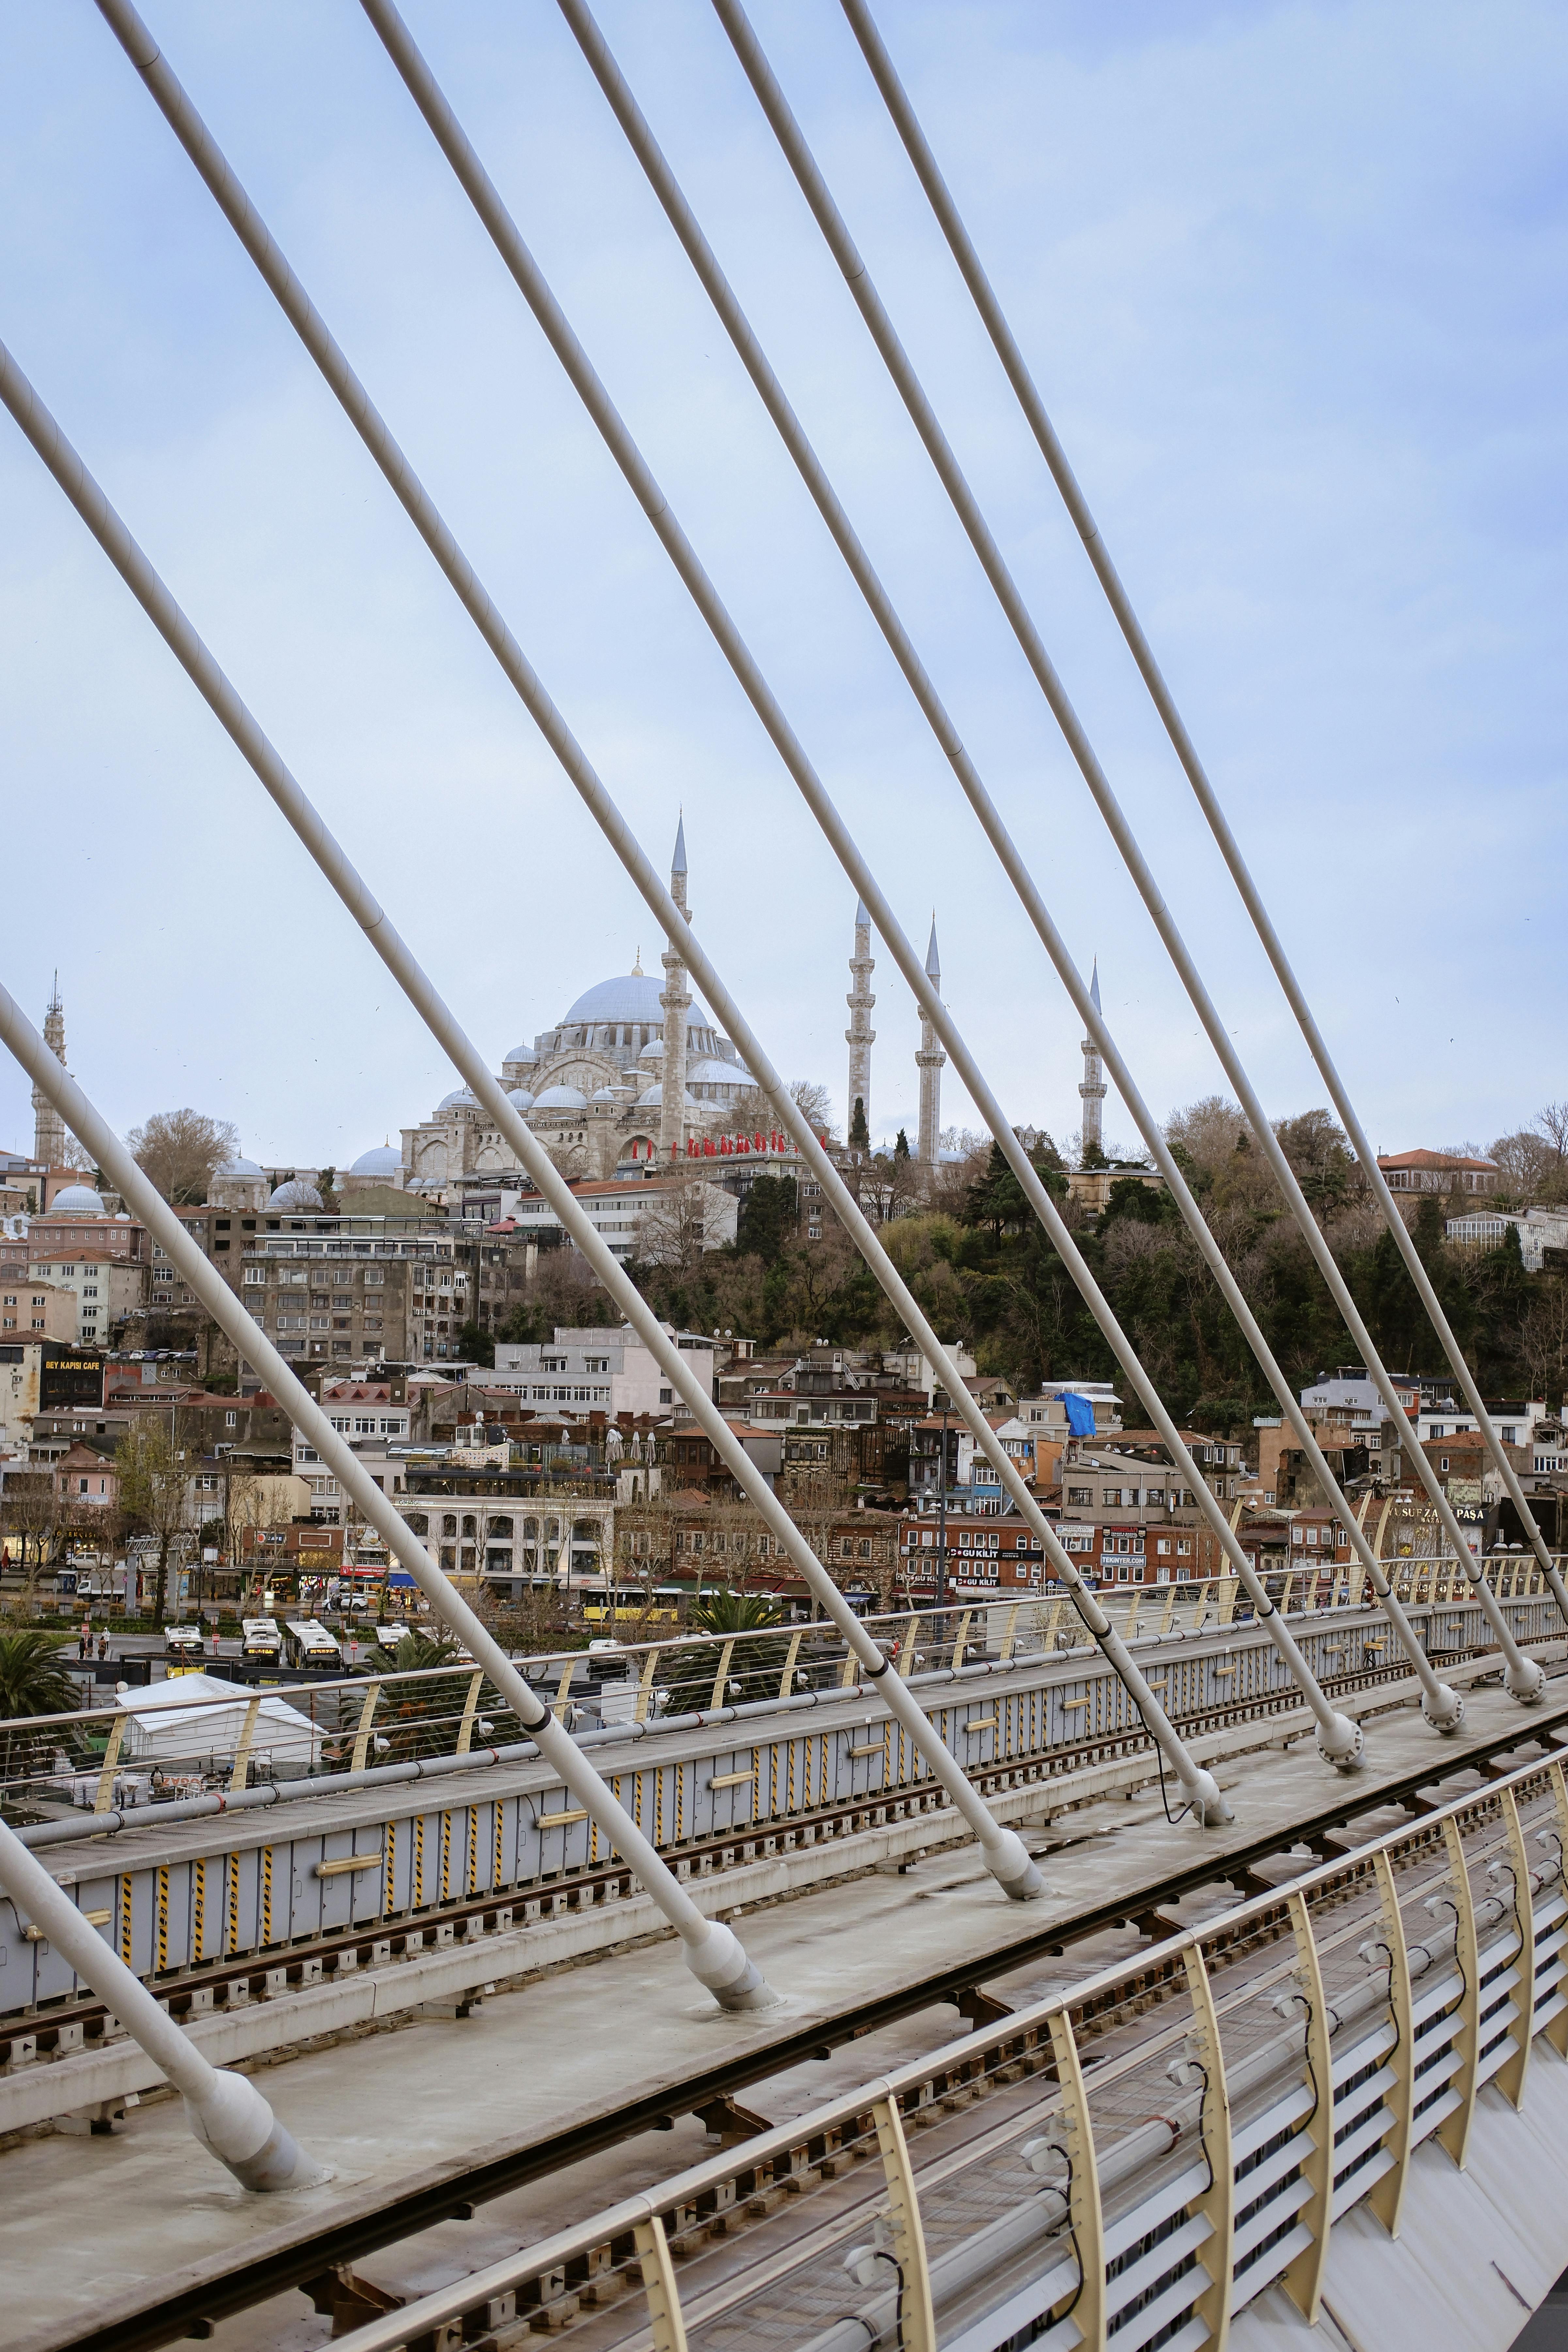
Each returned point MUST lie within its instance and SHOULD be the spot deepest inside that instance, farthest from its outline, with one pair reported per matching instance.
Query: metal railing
(1137, 2156)
(111, 1758)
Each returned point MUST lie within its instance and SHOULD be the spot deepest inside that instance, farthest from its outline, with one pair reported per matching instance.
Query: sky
(1290, 279)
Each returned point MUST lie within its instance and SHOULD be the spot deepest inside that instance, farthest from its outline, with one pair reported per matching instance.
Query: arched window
(449, 1524)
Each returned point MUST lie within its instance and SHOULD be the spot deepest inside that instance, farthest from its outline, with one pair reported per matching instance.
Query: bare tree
(1543, 1342)
(671, 1227)
(153, 1485)
(179, 1151)
(810, 1096)
(1534, 1164)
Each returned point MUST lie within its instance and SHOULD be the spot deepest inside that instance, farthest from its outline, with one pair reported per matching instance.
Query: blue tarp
(1079, 1413)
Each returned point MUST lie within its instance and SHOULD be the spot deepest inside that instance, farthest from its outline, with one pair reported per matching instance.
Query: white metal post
(712, 1951)
(225, 2111)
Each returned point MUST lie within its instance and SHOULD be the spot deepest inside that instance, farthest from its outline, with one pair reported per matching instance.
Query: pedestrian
(84, 1639)
(103, 1645)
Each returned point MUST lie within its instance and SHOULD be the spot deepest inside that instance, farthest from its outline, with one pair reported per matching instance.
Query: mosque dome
(521, 1054)
(652, 1099)
(521, 1100)
(718, 1073)
(562, 1098)
(238, 1166)
(604, 1094)
(384, 1160)
(460, 1099)
(77, 1201)
(297, 1193)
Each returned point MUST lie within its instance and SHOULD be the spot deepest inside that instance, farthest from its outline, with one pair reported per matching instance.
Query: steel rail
(256, 2279)
(1339, 1739)
(1006, 1858)
(1019, 374)
(1443, 1707)
(712, 1951)
(735, 1847)
(1523, 1683)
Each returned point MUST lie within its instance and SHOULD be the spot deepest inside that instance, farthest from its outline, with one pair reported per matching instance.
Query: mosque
(596, 1091)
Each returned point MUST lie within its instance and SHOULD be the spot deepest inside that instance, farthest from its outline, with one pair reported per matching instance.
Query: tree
(1320, 1156)
(1543, 1342)
(475, 1344)
(33, 1681)
(769, 1216)
(671, 1231)
(901, 1146)
(326, 1183)
(179, 1152)
(152, 1487)
(859, 1133)
(811, 1098)
(418, 1718)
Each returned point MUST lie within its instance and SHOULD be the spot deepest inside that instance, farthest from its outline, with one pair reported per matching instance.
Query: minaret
(49, 1143)
(675, 1000)
(928, 1061)
(1093, 1087)
(860, 1036)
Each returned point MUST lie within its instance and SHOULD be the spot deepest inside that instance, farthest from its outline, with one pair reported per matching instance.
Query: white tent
(168, 1728)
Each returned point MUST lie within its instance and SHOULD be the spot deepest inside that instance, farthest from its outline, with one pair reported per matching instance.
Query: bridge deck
(93, 2230)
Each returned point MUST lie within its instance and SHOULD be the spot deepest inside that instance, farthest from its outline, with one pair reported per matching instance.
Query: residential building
(342, 1300)
(31, 1308)
(1437, 1171)
(609, 1369)
(107, 1288)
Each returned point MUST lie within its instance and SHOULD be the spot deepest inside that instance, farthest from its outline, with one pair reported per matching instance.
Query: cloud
(1292, 282)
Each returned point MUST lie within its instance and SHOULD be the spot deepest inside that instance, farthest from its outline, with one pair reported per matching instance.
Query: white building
(608, 1372)
(1539, 1230)
(617, 1208)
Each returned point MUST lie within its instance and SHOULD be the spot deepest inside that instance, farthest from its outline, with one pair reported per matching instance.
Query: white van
(260, 1640)
(184, 1641)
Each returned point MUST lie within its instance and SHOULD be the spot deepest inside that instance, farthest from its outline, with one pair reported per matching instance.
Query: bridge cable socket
(1445, 1711)
(1007, 1858)
(720, 1962)
(1526, 1682)
(1344, 1747)
(236, 2124)
(1209, 1806)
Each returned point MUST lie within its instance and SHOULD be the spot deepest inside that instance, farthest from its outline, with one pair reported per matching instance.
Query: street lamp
(941, 1510)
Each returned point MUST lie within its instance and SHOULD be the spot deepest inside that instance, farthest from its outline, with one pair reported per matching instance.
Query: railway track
(321, 2261)
(43, 2029)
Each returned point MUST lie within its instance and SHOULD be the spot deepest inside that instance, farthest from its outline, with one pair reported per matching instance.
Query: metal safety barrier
(1135, 2159)
(240, 1874)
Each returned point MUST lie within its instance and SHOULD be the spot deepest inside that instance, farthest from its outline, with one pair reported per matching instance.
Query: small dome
(384, 1159)
(605, 1094)
(718, 1073)
(561, 1098)
(521, 1100)
(238, 1166)
(521, 1054)
(297, 1193)
(651, 1099)
(77, 1201)
(653, 1051)
(460, 1099)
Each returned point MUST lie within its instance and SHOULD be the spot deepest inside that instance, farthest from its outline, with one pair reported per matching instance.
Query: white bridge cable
(1016, 370)
(1339, 1739)
(1002, 1850)
(711, 1950)
(1444, 1707)
(1523, 1678)
(1004, 1853)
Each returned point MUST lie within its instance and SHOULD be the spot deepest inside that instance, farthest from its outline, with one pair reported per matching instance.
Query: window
(1111, 1497)
(1442, 1462)
(1080, 1493)
(254, 1274)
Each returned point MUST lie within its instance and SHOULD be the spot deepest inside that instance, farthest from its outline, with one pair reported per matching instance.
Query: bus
(260, 1640)
(309, 1645)
(659, 1607)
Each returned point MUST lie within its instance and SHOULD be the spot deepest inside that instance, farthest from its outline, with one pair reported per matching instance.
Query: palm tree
(418, 1718)
(33, 1681)
(33, 1678)
(755, 1667)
